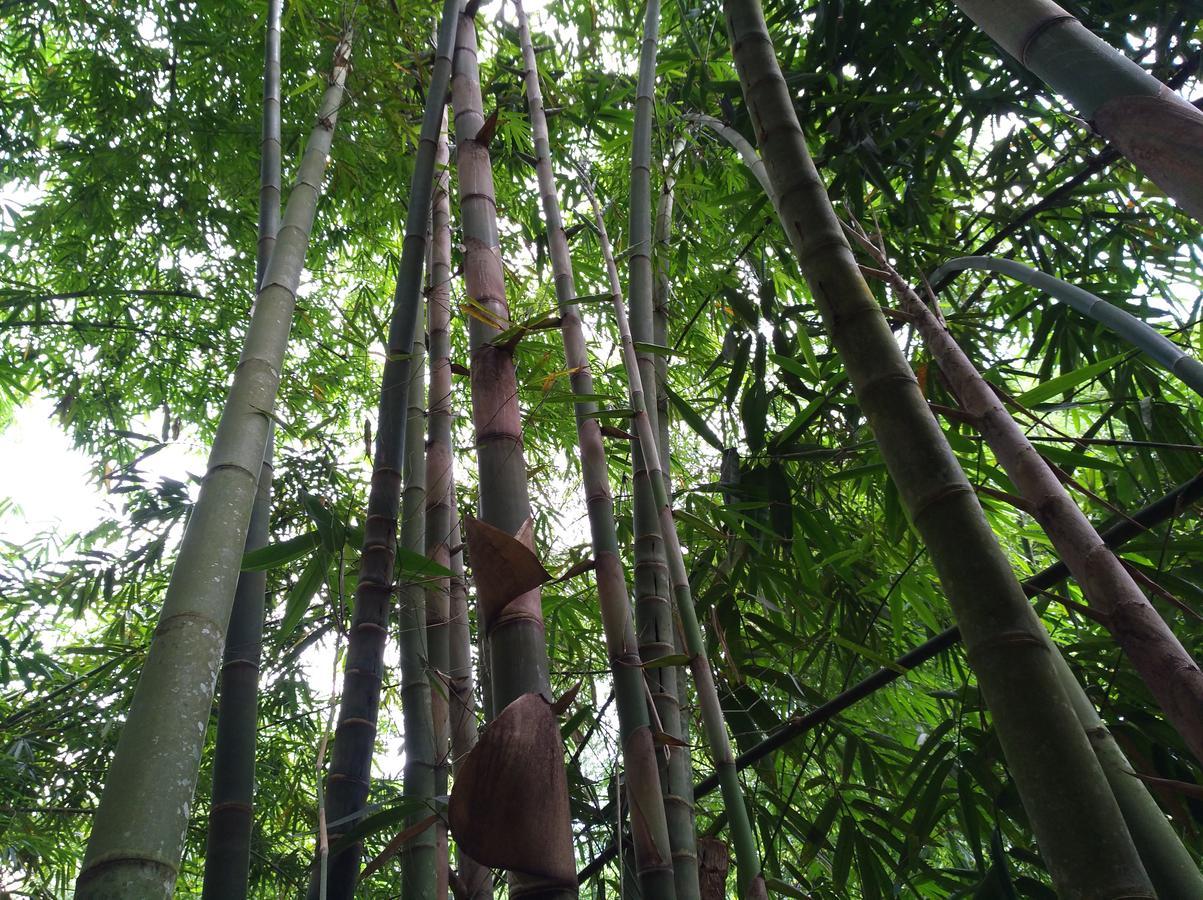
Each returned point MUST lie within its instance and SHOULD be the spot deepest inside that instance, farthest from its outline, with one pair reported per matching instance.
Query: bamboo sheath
(349, 777)
(750, 879)
(649, 827)
(135, 847)
(517, 643)
(231, 807)
(1150, 124)
(1076, 820)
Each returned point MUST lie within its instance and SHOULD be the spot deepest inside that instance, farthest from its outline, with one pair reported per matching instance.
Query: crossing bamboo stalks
(1149, 123)
(1167, 669)
(231, 807)
(476, 879)
(649, 827)
(439, 497)
(1076, 820)
(517, 644)
(750, 878)
(138, 831)
(668, 683)
(355, 734)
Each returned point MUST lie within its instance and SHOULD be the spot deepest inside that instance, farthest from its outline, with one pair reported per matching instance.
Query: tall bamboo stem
(139, 827)
(1146, 121)
(439, 496)
(649, 827)
(1075, 817)
(231, 807)
(517, 644)
(355, 734)
(750, 878)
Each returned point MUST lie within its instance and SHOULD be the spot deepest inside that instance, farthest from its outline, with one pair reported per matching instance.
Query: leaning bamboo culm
(1075, 817)
(515, 634)
(439, 497)
(649, 827)
(138, 831)
(231, 807)
(355, 735)
(1166, 667)
(747, 856)
(1155, 128)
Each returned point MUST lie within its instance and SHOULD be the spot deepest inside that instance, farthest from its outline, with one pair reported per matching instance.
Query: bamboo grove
(778, 470)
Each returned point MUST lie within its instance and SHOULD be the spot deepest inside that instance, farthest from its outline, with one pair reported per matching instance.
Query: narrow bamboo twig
(419, 869)
(649, 826)
(231, 808)
(355, 734)
(750, 879)
(1076, 820)
(516, 638)
(1127, 326)
(1161, 510)
(669, 683)
(439, 498)
(1152, 125)
(138, 832)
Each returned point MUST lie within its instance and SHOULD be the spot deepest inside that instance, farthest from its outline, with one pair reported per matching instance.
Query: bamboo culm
(1076, 820)
(750, 879)
(649, 827)
(669, 683)
(231, 807)
(1167, 669)
(516, 638)
(1145, 120)
(349, 777)
(439, 497)
(1148, 339)
(138, 831)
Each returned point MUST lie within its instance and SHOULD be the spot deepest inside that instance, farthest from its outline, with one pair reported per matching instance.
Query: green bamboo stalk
(517, 645)
(741, 145)
(1166, 667)
(419, 869)
(1077, 823)
(1127, 326)
(669, 683)
(439, 496)
(476, 879)
(649, 827)
(139, 827)
(231, 807)
(355, 734)
(750, 878)
(1145, 120)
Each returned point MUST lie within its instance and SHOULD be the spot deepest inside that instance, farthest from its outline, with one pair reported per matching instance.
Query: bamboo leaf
(274, 555)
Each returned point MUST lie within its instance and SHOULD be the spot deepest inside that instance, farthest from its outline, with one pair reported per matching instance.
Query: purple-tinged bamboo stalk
(138, 831)
(355, 735)
(649, 827)
(1077, 822)
(517, 642)
(750, 879)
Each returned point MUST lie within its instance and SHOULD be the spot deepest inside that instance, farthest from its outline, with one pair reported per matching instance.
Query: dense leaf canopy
(128, 186)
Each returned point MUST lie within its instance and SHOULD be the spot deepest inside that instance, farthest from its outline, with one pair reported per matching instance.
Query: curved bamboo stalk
(419, 869)
(1167, 669)
(741, 145)
(517, 644)
(1127, 326)
(750, 878)
(476, 879)
(355, 734)
(1075, 817)
(668, 683)
(138, 832)
(439, 496)
(1153, 126)
(649, 827)
(231, 807)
